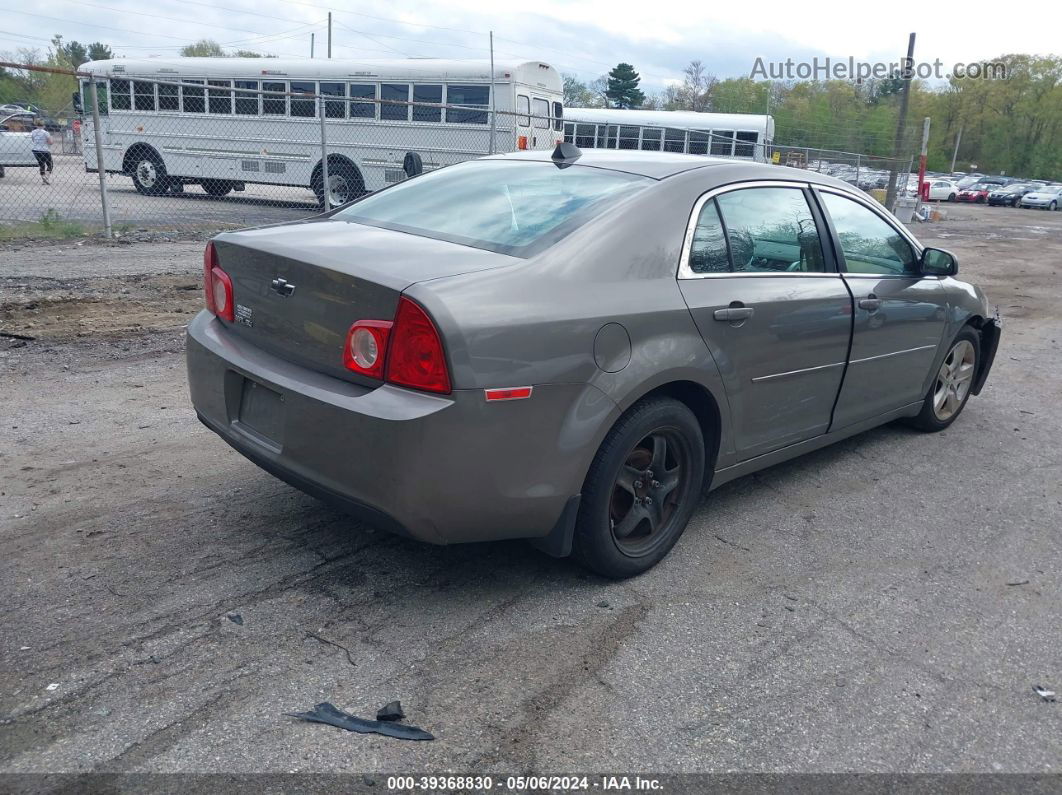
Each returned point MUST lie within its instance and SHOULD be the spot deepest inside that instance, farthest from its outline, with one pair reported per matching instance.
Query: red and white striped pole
(923, 186)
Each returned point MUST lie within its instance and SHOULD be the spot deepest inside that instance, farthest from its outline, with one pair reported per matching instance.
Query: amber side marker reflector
(508, 393)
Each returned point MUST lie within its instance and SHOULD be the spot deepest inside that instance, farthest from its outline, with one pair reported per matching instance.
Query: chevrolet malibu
(573, 348)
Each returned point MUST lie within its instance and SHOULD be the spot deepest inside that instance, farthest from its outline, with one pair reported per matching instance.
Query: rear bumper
(441, 469)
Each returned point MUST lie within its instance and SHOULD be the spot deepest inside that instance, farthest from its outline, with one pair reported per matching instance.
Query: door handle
(733, 313)
(870, 303)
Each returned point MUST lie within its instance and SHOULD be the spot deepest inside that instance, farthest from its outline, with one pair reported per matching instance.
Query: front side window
(427, 94)
(193, 100)
(247, 101)
(362, 110)
(334, 108)
(394, 92)
(467, 97)
(101, 97)
(219, 97)
(722, 142)
(121, 95)
(512, 207)
(273, 104)
(541, 113)
(303, 108)
(772, 230)
(708, 254)
(869, 243)
(523, 107)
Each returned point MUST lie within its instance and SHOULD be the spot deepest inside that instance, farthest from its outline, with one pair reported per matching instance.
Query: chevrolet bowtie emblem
(282, 287)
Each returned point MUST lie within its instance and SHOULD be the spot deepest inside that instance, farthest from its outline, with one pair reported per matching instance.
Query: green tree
(204, 48)
(578, 94)
(97, 51)
(623, 91)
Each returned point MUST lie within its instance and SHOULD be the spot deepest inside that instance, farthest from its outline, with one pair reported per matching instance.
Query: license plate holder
(262, 414)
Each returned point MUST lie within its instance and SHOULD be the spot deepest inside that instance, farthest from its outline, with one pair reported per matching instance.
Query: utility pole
(311, 44)
(330, 34)
(955, 154)
(493, 103)
(922, 159)
(901, 123)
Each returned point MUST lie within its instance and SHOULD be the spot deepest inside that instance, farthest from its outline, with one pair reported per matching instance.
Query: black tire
(217, 187)
(149, 173)
(627, 456)
(347, 184)
(1052, 206)
(951, 197)
(931, 420)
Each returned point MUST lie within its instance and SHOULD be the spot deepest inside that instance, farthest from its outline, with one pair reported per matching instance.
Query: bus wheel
(149, 174)
(344, 182)
(217, 187)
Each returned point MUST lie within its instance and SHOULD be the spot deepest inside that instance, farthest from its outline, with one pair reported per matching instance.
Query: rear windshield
(512, 207)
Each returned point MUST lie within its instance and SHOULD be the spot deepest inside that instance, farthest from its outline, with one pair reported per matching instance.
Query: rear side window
(542, 113)
(709, 253)
(511, 207)
(771, 229)
(523, 107)
(558, 116)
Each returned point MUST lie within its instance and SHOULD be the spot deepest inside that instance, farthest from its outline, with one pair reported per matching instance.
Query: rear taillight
(407, 351)
(217, 286)
(366, 347)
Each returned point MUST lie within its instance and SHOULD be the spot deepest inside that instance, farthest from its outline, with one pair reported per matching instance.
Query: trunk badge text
(244, 315)
(282, 287)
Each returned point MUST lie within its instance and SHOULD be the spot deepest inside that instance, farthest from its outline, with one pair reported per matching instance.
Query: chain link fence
(870, 173)
(207, 154)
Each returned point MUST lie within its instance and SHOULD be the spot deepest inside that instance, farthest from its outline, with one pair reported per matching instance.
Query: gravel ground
(883, 605)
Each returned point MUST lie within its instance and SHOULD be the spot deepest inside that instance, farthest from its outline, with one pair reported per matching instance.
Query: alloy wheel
(954, 380)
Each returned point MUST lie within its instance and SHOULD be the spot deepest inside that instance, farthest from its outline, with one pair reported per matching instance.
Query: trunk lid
(298, 288)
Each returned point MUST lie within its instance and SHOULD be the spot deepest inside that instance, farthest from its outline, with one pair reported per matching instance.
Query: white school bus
(223, 122)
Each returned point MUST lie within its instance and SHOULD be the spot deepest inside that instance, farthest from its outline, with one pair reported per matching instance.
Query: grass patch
(51, 226)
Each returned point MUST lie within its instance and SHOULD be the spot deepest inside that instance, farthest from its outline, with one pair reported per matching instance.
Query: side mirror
(75, 98)
(938, 262)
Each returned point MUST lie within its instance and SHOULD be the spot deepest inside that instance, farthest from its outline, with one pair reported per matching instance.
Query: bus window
(674, 140)
(476, 96)
(219, 100)
(699, 143)
(274, 105)
(542, 113)
(585, 135)
(247, 102)
(628, 138)
(120, 96)
(722, 142)
(394, 92)
(303, 108)
(362, 110)
(169, 97)
(432, 94)
(611, 132)
(558, 116)
(334, 108)
(143, 96)
(748, 147)
(101, 97)
(651, 139)
(193, 100)
(523, 107)
(569, 133)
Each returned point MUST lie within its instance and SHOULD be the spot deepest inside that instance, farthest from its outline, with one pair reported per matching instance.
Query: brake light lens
(366, 347)
(416, 357)
(217, 286)
(407, 351)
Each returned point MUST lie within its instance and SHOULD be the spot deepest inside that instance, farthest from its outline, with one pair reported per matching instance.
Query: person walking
(42, 149)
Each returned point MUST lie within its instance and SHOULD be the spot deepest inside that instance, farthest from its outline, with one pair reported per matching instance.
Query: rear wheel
(344, 181)
(642, 488)
(950, 389)
(217, 187)
(951, 197)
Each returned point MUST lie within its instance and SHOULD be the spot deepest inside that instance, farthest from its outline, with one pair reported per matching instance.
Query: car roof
(660, 165)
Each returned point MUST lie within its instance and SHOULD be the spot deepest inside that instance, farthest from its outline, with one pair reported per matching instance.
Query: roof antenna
(566, 151)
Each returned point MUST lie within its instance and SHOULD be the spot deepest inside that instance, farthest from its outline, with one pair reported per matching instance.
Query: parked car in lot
(1009, 195)
(16, 149)
(943, 190)
(573, 348)
(1048, 198)
(977, 193)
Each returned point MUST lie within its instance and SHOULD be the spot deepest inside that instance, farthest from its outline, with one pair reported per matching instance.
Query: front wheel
(149, 175)
(1052, 206)
(950, 389)
(345, 185)
(951, 197)
(642, 488)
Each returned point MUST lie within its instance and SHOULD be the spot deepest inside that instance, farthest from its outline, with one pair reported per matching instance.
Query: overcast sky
(585, 38)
